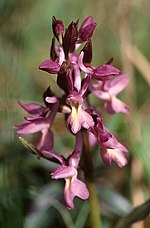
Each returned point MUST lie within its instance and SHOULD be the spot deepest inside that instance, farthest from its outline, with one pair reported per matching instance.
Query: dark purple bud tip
(58, 27)
(70, 37)
(87, 49)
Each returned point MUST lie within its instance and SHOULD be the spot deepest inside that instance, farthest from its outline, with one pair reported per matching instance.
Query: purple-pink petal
(85, 69)
(115, 106)
(80, 189)
(74, 187)
(85, 84)
(64, 172)
(86, 32)
(74, 158)
(105, 70)
(108, 140)
(77, 77)
(116, 85)
(109, 155)
(86, 29)
(87, 21)
(53, 156)
(92, 139)
(74, 98)
(69, 81)
(46, 142)
(80, 118)
(51, 100)
(97, 90)
(32, 108)
(30, 127)
(50, 66)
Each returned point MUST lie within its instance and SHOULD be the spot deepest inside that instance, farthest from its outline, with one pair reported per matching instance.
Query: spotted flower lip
(73, 186)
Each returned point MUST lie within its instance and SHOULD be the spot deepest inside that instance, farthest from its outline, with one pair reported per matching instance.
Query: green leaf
(138, 214)
(82, 215)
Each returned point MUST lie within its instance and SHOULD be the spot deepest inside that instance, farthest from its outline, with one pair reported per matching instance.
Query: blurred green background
(28, 197)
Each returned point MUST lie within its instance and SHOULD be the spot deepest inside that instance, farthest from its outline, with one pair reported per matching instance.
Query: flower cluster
(77, 78)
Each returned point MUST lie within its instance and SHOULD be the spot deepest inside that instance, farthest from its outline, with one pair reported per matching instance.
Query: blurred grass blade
(138, 214)
(82, 215)
(46, 207)
(115, 204)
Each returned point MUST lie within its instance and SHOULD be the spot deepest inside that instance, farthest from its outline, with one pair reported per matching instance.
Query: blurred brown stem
(139, 60)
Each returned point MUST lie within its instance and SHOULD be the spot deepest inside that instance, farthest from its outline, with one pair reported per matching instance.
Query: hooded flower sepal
(108, 90)
(86, 30)
(53, 67)
(112, 150)
(102, 72)
(70, 38)
(33, 108)
(41, 124)
(58, 29)
(73, 186)
(50, 98)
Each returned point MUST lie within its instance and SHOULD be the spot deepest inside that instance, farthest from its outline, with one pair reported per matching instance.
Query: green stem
(90, 180)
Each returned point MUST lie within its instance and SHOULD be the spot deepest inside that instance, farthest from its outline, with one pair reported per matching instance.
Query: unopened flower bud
(58, 28)
(70, 38)
(86, 29)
